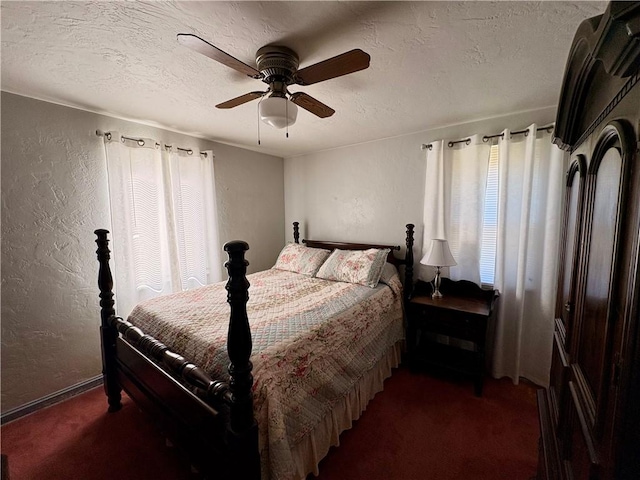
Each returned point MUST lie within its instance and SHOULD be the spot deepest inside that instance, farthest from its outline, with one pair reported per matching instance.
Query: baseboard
(51, 399)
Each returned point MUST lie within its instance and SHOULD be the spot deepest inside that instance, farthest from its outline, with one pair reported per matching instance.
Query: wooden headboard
(407, 261)
(328, 245)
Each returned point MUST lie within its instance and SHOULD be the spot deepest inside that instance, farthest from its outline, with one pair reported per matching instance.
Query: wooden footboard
(212, 419)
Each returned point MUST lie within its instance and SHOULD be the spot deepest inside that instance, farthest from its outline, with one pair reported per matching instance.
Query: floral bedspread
(313, 340)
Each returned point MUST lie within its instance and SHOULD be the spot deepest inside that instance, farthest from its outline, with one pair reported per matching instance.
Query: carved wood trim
(239, 342)
(560, 350)
(607, 110)
(296, 232)
(585, 396)
(565, 308)
(560, 339)
(604, 46)
(617, 134)
(584, 425)
(108, 333)
(408, 263)
(549, 451)
(242, 432)
(212, 391)
(579, 165)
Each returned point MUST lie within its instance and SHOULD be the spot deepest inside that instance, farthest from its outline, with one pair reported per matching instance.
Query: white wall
(369, 192)
(54, 194)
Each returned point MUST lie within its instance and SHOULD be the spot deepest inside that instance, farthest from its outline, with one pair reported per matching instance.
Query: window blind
(490, 224)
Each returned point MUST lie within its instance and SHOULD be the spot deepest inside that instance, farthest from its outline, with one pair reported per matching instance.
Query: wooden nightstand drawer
(462, 313)
(447, 322)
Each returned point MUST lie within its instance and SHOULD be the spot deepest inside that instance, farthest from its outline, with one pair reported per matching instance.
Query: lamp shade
(278, 112)
(438, 254)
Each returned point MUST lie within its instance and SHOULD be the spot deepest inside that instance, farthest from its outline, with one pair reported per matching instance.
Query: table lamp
(438, 255)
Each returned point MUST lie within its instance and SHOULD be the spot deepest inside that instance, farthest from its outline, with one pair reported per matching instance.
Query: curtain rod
(486, 138)
(141, 142)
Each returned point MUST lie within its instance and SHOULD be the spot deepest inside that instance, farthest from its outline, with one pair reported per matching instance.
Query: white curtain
(163, 217)
(530, 185)
(531, 180)
(455, 185)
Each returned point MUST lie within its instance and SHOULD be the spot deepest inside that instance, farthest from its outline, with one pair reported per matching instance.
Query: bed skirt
(314, 447)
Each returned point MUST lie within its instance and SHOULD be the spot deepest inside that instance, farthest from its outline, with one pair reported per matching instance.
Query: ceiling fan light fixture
(278, 112)
(277, 66)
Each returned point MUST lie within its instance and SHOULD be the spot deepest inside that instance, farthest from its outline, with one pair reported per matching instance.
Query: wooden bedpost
(108, 332)
(243, 430)
(296, 232)
(408, 264)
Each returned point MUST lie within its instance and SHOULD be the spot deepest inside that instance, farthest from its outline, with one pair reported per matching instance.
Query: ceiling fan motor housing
(277, 64)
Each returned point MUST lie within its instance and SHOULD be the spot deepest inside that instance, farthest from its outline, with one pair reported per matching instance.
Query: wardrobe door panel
(558, 374)
(581, 451)
(605, 183)
(565, 303)
(570, 240)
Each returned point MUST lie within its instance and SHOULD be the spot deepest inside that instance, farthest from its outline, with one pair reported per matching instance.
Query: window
(490, 222)
(163, 219)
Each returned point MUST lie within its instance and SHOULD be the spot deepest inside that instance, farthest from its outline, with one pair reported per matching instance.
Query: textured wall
(369, 192)
(54, 194)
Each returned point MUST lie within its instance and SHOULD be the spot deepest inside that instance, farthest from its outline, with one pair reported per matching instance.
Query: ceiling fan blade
(205, 48)
(247, 97)
(311, 104)
(348, 62)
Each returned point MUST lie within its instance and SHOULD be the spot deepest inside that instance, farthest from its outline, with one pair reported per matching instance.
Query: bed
(272, 402)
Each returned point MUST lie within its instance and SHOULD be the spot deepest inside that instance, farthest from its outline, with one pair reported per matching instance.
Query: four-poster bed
(213, 417)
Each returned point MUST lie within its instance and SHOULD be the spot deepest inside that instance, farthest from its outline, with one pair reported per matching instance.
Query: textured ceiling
(432, 63)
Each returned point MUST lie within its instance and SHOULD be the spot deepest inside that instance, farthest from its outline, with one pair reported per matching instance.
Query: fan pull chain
(258, 112)
(286, 113)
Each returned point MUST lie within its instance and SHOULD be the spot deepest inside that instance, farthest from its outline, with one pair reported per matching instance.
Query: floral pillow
(300, 259)
(355, 266)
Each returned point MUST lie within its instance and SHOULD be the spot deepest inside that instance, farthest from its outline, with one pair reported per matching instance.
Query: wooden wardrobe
(590, 414)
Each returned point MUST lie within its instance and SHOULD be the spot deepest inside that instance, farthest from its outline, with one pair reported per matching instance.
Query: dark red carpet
(420, 427)
(78, 439)
(426, 428)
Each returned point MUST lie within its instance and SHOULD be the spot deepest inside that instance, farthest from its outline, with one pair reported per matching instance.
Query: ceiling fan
(277, 66)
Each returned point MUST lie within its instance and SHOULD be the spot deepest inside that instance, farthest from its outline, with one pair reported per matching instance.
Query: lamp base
(436, 285)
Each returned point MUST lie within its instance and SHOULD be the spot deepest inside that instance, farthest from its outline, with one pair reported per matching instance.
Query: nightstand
(450, 332)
